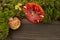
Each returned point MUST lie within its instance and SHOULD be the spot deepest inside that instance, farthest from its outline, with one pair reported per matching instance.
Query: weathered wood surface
(30, 31)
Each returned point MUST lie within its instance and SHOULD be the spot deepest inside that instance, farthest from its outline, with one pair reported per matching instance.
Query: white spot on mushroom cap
(25, 7)
(42, 15)
(38, 21)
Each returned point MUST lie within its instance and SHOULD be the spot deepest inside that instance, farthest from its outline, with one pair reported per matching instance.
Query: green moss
(4, 29)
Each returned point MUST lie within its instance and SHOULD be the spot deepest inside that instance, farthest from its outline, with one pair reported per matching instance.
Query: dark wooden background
(29, 31)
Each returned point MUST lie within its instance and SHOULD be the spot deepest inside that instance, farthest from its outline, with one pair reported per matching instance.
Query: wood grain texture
(29, 31)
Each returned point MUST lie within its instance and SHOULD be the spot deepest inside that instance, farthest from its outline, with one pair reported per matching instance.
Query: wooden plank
(36, 32)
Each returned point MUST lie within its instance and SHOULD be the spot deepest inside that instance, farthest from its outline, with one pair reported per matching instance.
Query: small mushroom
(14, 23)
